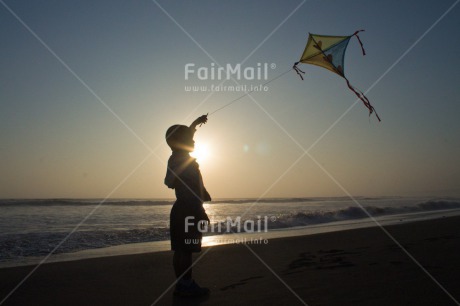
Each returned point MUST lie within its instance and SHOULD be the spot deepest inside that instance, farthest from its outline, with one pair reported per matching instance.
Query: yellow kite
(329, 52)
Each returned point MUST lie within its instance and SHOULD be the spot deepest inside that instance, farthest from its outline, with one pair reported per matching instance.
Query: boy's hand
(203, 220)
(204, 216)
(200, 120)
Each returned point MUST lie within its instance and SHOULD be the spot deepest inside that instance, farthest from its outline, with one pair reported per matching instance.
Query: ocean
(34, 228)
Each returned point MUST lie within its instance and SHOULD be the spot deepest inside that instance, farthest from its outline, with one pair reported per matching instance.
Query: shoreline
(351, 267)
(164, 245)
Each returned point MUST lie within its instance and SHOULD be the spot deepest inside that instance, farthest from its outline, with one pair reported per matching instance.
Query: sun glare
(201, 152)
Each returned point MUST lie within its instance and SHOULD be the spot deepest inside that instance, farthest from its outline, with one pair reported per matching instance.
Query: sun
(202, 152)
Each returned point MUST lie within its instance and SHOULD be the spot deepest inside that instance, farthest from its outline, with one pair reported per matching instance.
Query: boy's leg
(182, 262)
(186, 286)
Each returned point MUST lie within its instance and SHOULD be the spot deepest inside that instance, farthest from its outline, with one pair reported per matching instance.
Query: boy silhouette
(184, 176)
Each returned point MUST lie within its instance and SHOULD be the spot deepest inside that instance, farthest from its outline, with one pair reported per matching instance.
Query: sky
(89, 88)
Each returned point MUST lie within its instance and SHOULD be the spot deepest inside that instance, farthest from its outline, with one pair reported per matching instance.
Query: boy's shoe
(192, 290)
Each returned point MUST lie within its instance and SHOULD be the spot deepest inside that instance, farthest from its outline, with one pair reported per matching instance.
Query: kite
(329, 52)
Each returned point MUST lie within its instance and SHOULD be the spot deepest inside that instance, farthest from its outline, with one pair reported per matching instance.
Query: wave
(298, 219)
(83, 202)
(139, 202)
(159, 202)
(353, 212)
(41, 244)
(14, 246)
(295, 200)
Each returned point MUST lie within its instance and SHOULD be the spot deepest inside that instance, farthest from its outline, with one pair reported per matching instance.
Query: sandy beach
(353, 267)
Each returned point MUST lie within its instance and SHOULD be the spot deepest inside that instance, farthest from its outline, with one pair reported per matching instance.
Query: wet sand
(353, 267)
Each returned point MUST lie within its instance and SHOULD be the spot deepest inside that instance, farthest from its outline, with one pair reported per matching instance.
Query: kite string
(249, 92)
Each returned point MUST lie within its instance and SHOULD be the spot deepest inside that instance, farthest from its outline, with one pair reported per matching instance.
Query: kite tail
(364, 99)
(297, 70)
(360, 42)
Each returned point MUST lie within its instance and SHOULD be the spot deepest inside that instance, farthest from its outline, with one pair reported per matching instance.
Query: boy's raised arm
(198, 121)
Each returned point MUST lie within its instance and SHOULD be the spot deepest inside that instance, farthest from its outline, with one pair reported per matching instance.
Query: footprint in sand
(240, 283)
